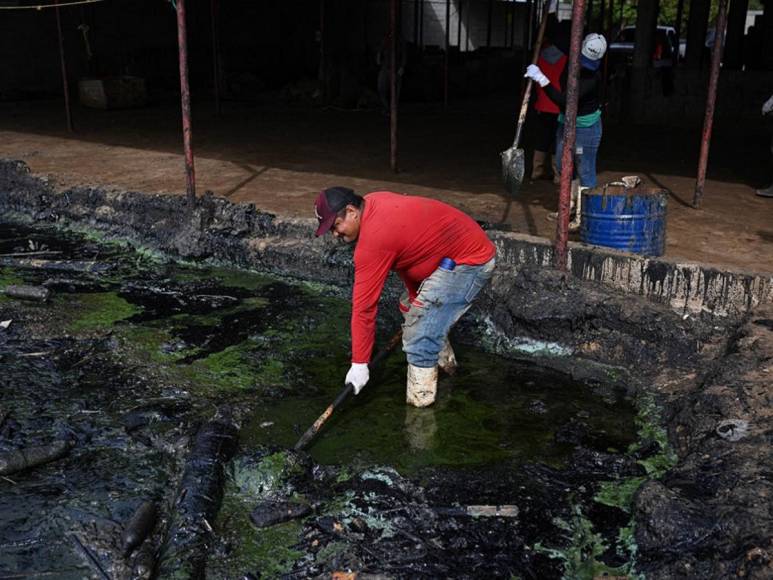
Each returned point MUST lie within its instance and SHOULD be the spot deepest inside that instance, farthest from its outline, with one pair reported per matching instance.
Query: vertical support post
(697, 25)
(415, 22)
(602, 17)
(489, 22)
(421, 27)
(215, 55)
(467, 28)
(561, 252)
(512, 24)
(445, 57)
(322, 63)
(459, 14)
(185, 96)
(711, 100)
(65, 84)
(678, 23)
(736, 27)
(610, 21)
(393, 85)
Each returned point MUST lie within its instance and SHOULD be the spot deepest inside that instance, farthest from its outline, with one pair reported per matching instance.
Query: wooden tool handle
(348, 388)
(527, 93)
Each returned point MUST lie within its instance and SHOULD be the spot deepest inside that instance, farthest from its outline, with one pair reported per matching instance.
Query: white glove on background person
(767, 108)
(533, 72)
(553, 6)
(358, 376)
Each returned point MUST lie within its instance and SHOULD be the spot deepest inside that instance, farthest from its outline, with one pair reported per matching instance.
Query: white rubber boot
(421, 386)
(447, 359)
(575, 223)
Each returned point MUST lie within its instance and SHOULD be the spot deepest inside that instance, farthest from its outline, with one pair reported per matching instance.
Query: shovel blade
(513, 169)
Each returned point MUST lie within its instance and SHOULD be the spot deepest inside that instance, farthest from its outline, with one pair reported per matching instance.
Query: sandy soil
(278, 157)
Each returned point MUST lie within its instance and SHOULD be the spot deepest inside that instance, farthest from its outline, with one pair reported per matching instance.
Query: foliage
(666, 15)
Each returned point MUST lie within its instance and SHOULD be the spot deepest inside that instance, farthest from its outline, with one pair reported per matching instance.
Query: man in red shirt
(412, 236)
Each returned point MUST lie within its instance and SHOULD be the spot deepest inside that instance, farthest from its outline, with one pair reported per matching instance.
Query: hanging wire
(41, 6)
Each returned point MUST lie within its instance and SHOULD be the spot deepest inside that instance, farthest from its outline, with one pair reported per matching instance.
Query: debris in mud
(201, 489)
(27, 458)
(139, 526)
(733, 429)
(34, 293)
(275, 512)
(55, 265)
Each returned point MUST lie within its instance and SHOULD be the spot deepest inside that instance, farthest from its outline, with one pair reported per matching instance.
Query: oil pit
(133, 356)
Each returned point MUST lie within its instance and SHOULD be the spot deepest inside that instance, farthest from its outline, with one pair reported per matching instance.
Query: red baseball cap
(329, 202)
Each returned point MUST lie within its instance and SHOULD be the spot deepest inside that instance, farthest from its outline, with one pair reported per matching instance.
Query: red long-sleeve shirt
(410, 235)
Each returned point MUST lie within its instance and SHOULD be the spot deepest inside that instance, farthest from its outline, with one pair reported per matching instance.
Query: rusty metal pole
(215, 55)
(65, 85)
(393, 85)
(182, 44)
(561, 253)
(711, 100)
(445, 59)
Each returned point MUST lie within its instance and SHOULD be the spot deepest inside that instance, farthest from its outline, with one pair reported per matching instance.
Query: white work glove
(533, 72)
(767, 108)
(358, 376)
(552, 6)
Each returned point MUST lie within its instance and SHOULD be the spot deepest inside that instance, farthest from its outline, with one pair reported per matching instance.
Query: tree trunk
(736, 24)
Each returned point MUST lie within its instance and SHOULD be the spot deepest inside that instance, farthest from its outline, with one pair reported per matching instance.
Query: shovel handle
(527, 92)
(348, 388)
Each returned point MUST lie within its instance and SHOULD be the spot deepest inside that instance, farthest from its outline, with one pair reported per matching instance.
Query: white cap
(594, 46)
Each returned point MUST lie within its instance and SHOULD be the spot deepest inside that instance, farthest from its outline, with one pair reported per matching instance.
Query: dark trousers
(545, 133)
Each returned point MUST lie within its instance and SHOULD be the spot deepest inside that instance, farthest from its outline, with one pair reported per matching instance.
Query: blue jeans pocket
(481, 278)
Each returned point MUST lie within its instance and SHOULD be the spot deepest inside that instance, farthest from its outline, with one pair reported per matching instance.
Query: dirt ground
(279, 156)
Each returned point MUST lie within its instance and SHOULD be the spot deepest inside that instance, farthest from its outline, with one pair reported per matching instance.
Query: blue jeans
(441, 301)
(586, 147)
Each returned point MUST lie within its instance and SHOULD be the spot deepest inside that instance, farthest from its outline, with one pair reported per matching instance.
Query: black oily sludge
(704, 371)
(142, 425)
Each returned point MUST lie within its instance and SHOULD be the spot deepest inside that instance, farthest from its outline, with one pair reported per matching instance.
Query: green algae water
(126, 362)
(492, 410)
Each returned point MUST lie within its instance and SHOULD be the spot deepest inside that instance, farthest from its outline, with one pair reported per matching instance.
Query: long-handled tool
(348, 388)
(513, 163)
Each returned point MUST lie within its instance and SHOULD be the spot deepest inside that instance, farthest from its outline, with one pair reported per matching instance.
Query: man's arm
(370, 273)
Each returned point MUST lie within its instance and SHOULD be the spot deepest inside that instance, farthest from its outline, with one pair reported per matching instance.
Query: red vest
(553, 71)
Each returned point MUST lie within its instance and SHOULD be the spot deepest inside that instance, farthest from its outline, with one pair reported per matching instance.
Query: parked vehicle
(666, 46)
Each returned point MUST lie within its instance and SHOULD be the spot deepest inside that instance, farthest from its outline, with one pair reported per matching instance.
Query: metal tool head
(513, 169)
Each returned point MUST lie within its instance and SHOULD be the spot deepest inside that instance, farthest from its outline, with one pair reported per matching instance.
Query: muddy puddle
(132, 358)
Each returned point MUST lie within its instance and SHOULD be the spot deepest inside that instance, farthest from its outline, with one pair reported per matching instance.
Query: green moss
(330, 551)
(619, 493)
(97, 311)
(230, 277)
(266, 477)
(9, 276)
(268, 551)
(580, 556)
(228, 368)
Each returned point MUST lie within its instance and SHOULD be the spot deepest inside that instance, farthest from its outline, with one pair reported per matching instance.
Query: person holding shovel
(441, 254)
(588, 136)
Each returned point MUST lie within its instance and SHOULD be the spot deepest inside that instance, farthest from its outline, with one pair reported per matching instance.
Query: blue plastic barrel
(632, 220)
